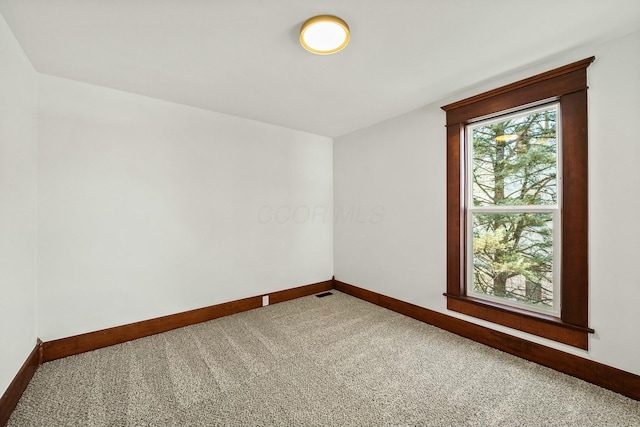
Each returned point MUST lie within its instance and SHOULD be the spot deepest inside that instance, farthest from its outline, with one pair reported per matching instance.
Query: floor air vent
(325, 294)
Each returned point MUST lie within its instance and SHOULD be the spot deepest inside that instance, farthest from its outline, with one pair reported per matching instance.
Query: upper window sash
(467, 147)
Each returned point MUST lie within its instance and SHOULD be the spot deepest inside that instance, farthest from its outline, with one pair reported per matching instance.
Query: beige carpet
(329, 361)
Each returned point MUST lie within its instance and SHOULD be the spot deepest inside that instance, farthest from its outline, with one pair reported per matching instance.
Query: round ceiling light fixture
(324, 34)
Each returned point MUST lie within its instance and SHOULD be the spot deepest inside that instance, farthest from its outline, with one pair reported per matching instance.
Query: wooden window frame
(568, 86)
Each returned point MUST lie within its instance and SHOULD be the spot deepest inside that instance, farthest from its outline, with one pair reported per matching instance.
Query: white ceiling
(242, 57)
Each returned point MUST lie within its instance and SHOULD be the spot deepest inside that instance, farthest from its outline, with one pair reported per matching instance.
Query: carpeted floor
(333, 361)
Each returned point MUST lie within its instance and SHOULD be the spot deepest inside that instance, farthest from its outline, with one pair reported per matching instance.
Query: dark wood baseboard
(63, 347)
(301, 291)
(12, 395)
(611, 378)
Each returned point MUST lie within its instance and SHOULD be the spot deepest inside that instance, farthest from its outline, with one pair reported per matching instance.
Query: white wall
(148, 208)
(399, 165)
(18, 175)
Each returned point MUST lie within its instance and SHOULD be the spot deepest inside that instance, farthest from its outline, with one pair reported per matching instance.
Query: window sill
(541, 325)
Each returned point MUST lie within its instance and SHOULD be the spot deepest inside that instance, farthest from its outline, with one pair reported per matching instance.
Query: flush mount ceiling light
(324, 34)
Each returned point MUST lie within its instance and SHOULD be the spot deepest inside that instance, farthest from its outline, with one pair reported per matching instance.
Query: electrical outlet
(265, 300)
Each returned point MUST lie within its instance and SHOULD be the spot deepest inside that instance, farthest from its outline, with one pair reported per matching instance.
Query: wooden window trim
(567, 85)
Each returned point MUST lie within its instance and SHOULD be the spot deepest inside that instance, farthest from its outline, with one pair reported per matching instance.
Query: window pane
(513, 257)
(515, 160)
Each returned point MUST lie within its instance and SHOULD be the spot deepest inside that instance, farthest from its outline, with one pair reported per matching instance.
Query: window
(517, 214)
(512, 198)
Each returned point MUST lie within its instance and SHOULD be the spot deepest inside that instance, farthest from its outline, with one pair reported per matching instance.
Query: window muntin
(513, 202)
